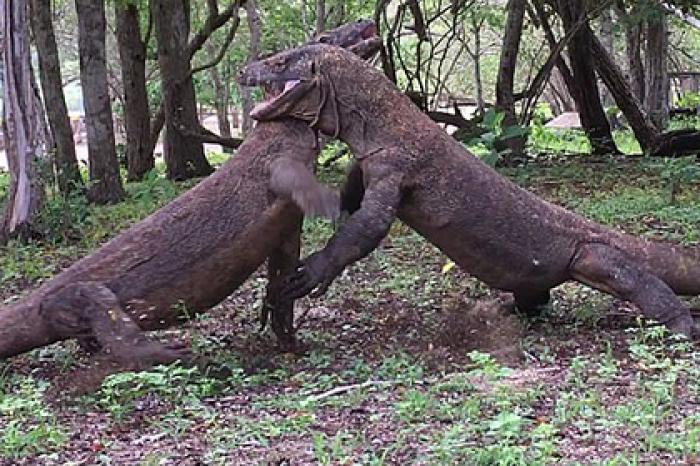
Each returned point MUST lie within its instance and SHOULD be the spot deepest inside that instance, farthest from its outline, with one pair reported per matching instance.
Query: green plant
(544, 140)
(689, 99)
(495, 133)
(331, 450)
(677, 173)
(28, 425)
(119, 391)
(486, 365)
(413, 406)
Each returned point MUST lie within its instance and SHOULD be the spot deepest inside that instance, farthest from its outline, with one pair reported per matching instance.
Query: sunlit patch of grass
(548, 140)
(645, 210)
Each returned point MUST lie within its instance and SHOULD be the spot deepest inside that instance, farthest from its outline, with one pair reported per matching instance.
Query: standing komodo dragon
(193, 252)
(493, 229)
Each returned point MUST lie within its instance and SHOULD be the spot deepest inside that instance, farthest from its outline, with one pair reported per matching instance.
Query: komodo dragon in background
(495, 230)
(193, 252)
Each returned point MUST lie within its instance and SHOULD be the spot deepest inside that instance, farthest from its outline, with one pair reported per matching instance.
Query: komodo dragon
(410, 168)
(193, 252)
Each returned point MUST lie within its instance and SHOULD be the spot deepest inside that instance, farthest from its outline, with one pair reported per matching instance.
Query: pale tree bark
(585, 89)
(184, 156)
(658, 90)
(254, 51)
(105, 184)
(132, 58)
(22, 125)
(557, 94)
(65, 161)
(505, 100)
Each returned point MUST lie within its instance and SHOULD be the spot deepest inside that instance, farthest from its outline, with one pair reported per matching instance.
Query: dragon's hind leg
(610, 270)
(91, 313)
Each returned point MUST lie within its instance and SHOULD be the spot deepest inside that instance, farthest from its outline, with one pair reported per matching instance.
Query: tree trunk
(643, 128)
(633, 43)
(21, 125)
(657, 69)
(585, 91)
(65, 160)
(505, 100)
(320, 16)
(560, 92)
(184, 157)
(105, 183)
(607, 39)
(221, 101)
(476, 58)
(156, 126)
(254, 28)
(561, 81)
(132, 58)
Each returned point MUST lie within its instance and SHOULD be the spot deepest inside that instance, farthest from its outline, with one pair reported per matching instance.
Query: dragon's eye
(324, 39)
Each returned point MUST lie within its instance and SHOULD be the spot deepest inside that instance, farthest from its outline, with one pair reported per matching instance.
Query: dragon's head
(348, 35)
(293, 81)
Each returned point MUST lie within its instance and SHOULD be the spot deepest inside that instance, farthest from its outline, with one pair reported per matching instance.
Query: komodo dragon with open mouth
(192, 253)
(411, 169)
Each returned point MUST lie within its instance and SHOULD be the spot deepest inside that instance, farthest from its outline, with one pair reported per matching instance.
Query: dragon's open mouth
(274, 93)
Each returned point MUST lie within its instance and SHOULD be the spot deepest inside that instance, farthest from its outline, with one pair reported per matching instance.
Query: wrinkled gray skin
(502, 234)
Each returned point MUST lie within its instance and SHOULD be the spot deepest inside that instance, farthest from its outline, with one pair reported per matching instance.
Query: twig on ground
(348, 388)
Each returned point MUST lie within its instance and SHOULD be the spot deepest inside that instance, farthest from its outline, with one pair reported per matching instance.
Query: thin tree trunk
(607, 39)
(642, 126)
(633, 42)
(21, 125)
(585, 90)
(657, 69)
(254, 28)
(505, 100)
(65, 160)
(156, 126)
(184, 156)
(336, 16)
(105, 183)
(221, 101)
(132, 57)
(476, 58)
(560, 91)
(564, 73)
(320, 16)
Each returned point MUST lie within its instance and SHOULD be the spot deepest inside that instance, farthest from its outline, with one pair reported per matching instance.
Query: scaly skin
(181, 260)
(191, 254)
(502, 234)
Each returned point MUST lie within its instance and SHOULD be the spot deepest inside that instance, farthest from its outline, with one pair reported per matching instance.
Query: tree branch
(213, 22)
(222, 51)
(203, 135)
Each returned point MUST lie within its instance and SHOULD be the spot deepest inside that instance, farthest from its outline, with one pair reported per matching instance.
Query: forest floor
(408, 361)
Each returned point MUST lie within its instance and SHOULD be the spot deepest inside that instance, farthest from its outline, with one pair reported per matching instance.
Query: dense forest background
(140, 79)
